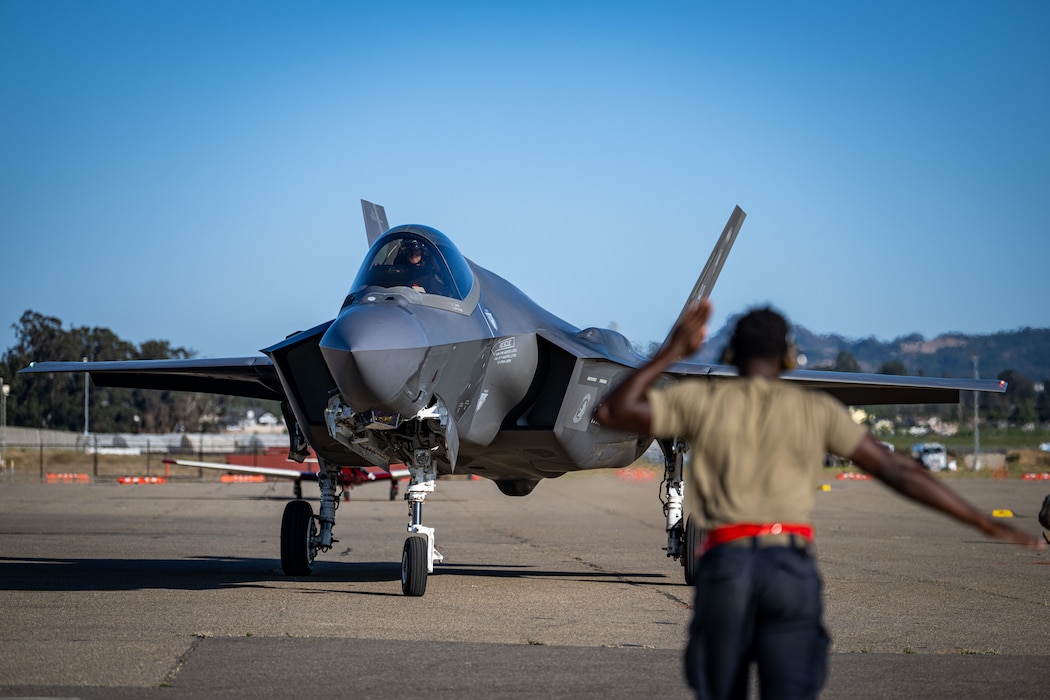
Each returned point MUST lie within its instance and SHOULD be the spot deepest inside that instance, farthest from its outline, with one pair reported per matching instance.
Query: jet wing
(254, 377)
(371, 473)
(856, 389)
(304, 474)
(863, 389)
(851, 388)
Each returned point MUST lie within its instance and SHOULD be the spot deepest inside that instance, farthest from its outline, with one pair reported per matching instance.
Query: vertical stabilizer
(375, 220)
(704, 283)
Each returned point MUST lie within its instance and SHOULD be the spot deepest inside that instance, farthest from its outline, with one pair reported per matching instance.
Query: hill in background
(1026, 351)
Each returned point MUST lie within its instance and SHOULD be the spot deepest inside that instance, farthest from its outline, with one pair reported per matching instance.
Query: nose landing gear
(419, 554)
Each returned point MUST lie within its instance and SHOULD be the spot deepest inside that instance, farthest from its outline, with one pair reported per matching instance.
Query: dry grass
(34, 463)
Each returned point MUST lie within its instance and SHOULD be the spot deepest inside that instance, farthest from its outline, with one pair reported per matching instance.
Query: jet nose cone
(374, 353)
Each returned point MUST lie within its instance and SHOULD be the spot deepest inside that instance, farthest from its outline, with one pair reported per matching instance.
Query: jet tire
(297, 531)
(692, 539)
(414, 567)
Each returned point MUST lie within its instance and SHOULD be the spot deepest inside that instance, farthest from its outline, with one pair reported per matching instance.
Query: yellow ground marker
(825, 487)
(1002, 513)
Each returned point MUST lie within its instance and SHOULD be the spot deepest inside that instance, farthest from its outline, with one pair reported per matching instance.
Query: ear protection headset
(788, 362)
(790, 359)
(727, 354)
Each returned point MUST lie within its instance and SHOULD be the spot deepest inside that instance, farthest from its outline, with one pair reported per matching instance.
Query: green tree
(1042, 404)
(894, 367)
(57, 401)
(846, 362)
(1020, 397)
(49, 403)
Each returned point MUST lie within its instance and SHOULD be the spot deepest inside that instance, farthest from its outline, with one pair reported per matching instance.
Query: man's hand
(1008, 533)
(627, 407)
(691, 330)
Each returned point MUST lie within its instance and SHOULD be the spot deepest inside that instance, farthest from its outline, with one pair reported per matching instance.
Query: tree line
(56, 401)
(1021, 403)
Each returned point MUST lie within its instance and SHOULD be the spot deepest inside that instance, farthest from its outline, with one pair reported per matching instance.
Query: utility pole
(86, 390)
(976, 425)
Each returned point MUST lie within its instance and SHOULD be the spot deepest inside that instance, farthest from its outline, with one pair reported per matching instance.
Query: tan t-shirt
(756, 446)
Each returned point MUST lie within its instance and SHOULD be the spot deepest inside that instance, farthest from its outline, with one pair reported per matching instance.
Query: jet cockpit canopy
(418, 257)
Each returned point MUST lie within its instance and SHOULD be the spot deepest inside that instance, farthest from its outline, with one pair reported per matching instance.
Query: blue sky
(192, 170)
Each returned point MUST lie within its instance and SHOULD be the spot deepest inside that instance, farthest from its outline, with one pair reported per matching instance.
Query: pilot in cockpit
(420, 272)
(412, 252)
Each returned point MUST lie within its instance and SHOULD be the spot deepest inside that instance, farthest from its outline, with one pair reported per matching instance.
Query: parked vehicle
(932, 455)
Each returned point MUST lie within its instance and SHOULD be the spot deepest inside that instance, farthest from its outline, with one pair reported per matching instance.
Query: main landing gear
(419, 554)
(682, 533)
(303, 534)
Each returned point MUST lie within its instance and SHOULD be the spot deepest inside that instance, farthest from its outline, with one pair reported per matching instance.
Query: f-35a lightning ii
(437, 363)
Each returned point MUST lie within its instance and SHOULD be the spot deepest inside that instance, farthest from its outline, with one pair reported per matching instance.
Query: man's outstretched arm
(908, 478)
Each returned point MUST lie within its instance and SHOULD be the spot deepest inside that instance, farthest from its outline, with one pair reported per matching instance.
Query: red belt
(728, 533)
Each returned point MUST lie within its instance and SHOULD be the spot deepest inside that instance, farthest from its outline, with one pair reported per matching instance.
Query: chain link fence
(30, 455)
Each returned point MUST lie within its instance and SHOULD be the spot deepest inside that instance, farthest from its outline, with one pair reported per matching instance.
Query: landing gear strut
(419, 554)
(682, 535)
(302, 533)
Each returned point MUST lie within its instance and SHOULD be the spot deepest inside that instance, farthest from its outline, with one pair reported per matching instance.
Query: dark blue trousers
(763, 605)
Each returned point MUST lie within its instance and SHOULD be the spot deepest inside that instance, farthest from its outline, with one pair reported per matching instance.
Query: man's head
(413, 251)
(760, 334)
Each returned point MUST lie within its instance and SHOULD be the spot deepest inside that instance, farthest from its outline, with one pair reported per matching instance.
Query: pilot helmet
(411, 245)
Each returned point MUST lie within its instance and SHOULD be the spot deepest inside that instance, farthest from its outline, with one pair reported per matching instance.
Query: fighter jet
(435, 362)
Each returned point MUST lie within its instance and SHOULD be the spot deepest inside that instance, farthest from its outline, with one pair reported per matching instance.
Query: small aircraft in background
(439, 364)
(272, 465)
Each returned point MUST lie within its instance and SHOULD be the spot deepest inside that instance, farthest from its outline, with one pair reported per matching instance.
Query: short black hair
(761, 333)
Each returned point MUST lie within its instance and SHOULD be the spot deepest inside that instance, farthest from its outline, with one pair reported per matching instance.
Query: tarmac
(175, 591)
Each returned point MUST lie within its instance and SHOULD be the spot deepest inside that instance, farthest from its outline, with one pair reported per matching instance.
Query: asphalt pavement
(175, 590)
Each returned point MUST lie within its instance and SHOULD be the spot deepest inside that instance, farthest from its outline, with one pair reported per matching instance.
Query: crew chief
(757, 445)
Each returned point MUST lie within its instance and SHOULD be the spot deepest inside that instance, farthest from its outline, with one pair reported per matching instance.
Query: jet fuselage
(464, 357)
